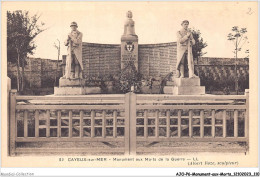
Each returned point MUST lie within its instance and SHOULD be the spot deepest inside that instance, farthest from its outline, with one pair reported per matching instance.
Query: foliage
(225, 84)
(197, 49)
(239, 39)
(164, 80)
(128, 77)
(243, 82)
(103, 86)
(47, 81)
(21, 32)
(57, 46)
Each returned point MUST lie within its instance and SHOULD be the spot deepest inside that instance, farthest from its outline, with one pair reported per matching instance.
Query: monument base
(69, 91)
(76, 90)
(74, 87)
(174, 90)
(184, 86)
(71, 82)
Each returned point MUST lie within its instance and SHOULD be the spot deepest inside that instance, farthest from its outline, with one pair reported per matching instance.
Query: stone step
(186, 81)
(76, 90)
(184, 90)
(69, 90)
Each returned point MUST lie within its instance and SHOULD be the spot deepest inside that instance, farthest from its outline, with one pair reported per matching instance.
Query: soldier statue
(185, 41)
(74, 66)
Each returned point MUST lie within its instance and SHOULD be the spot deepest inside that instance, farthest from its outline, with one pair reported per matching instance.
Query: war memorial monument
(80, 118)
(73, 82)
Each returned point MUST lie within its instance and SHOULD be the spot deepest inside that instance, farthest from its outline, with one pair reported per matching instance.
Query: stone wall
(218, 74)
(38, 72)
(222, 67)
(155, 61)
(100, 60)
(103, 60)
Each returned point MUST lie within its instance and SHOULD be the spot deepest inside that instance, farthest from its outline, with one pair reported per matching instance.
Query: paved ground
(163, 148)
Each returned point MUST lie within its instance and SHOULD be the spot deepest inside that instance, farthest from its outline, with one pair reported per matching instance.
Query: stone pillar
(129, 43)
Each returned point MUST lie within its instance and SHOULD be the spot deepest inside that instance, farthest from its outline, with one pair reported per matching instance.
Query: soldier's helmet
(73, 24)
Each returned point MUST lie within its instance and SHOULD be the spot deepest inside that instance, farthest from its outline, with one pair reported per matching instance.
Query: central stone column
(129, 43)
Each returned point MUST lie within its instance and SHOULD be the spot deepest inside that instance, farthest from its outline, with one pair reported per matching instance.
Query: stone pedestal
(184, 86)
(71, 82)
(74, 87)
(70, 87)
(69, 91)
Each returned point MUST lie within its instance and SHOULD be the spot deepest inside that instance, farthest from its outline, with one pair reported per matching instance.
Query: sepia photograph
(129, 84)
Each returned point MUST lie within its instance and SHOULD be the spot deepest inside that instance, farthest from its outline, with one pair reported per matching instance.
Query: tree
(21, 32)
(238, 37)
(197, 49)
(57, 46)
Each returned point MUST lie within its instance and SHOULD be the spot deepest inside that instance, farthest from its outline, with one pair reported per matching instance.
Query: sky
(155, 22)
